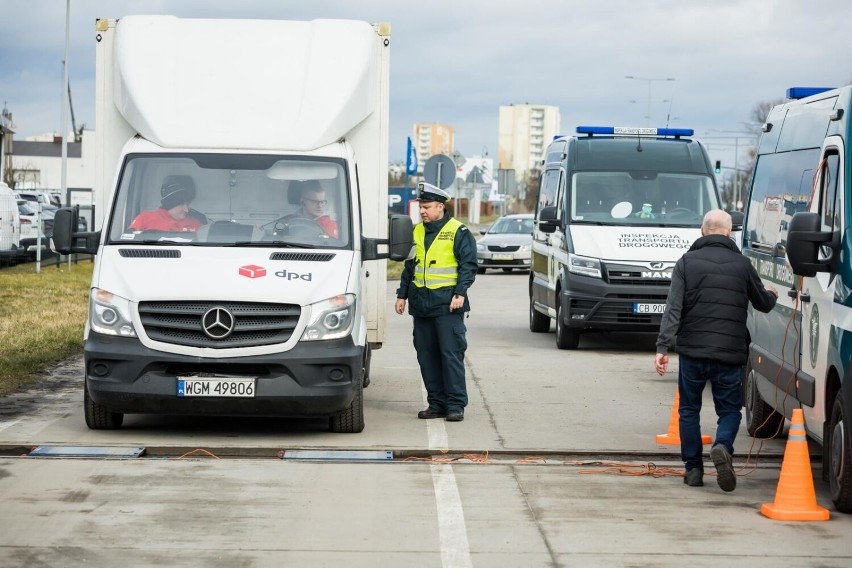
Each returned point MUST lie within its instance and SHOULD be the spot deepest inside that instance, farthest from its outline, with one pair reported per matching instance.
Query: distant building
(36, 163)
(431, 139)
(524, 132)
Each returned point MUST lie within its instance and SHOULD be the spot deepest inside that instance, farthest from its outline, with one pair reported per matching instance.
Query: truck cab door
(817, 293)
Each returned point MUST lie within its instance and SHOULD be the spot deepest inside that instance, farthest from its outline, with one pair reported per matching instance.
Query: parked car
(506, 244)
(28, 212)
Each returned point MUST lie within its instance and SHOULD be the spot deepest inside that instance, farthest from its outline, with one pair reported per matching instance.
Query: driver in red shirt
(173, 215)
(313, 203)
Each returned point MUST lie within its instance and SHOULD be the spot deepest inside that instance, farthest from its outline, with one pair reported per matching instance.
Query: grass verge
(41, 319)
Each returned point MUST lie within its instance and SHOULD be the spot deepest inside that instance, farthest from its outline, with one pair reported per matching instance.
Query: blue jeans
(726, 384)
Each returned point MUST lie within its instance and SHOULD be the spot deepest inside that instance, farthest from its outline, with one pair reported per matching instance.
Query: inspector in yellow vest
(443, 270)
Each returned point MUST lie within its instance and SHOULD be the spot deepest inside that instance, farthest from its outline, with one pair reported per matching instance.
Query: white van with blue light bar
(797, 234)
(617, 207)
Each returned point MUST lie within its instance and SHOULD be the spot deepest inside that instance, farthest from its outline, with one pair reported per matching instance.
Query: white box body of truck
(250, 305)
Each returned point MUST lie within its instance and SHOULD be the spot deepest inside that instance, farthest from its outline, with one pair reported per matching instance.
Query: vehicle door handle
(805, 297)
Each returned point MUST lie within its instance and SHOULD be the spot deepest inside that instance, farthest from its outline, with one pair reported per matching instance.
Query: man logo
(218, 323)
(657, 265)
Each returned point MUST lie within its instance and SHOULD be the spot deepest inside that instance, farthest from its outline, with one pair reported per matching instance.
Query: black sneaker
(694, 477)
(455, 416)
(431, 413)
(726, 477)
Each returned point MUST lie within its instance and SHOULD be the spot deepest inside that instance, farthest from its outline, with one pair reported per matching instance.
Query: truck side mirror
(66, 239)
(803, 243)
(400, 240)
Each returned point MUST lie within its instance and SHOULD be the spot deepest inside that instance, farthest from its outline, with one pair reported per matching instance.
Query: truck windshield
(641, 198)
(232, 200)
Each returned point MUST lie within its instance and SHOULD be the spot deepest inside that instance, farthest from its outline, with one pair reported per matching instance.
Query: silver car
(506, 244)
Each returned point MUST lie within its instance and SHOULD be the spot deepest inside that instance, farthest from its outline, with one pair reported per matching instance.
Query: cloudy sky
(457, 61)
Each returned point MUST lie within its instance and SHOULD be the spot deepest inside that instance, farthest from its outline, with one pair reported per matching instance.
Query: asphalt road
(555, 464)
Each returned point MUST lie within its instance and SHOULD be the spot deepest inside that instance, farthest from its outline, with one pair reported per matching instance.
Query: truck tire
(762, 421)
(99, 417)
(351, 420)
(539, 322)
(840, 457)
(566, 338)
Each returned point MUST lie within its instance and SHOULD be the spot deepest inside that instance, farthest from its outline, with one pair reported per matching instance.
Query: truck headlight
(331, 319)
(584, 265)
(110, 314)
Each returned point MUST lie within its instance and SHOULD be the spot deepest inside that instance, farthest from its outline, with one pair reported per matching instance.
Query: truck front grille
(250, 323)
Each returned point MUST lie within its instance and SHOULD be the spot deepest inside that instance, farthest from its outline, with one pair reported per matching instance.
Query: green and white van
(796, 233)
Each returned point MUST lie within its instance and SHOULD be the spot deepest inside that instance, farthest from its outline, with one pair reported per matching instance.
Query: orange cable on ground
(672, 437)
(795, 498)
(211, 454)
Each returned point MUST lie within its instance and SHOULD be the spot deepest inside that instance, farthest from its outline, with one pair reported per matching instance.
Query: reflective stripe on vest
(437, 267)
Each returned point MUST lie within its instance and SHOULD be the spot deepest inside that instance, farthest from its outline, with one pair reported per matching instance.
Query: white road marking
(452, 532)
(4, 425)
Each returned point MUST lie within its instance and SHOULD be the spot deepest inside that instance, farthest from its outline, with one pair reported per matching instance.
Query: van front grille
(251, 323)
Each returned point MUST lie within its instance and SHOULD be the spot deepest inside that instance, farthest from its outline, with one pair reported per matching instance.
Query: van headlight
(331, 319)
(584, 265)
(110, 314)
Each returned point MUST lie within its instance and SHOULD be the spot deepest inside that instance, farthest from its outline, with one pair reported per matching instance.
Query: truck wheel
(840, 457)
(99, 417)
(539, 322)
(762, 421)
(566, 338)
(351, 420)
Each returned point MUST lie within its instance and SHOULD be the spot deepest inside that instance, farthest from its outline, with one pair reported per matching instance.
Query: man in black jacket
(712, 285)
(435, 283)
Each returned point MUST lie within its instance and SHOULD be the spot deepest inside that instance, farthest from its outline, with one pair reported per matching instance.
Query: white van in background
(10, 227)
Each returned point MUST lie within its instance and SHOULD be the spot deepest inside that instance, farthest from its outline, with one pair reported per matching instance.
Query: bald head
(716, 222)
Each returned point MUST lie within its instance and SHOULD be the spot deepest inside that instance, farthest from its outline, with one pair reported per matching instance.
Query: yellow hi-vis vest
(437, 267)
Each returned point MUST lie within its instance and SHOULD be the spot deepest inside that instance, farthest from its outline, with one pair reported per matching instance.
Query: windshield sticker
(653, 240)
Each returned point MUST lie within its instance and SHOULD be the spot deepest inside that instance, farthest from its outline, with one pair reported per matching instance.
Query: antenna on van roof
(669, 115)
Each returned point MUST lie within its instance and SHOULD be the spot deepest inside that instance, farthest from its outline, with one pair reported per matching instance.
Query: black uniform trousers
(440, 343)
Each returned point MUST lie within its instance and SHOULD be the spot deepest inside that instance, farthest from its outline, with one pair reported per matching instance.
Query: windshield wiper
(267, 244)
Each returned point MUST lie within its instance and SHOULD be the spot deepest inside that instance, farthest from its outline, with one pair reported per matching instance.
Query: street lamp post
(650, 82)
(746, 136)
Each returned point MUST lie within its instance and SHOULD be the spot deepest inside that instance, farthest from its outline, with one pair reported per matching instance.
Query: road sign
(440, 170)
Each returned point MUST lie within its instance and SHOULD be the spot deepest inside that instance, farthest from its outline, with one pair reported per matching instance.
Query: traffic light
(718, 166)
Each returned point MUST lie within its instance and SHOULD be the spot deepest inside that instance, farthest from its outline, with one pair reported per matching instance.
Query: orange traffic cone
(673, 435)
(795, 499)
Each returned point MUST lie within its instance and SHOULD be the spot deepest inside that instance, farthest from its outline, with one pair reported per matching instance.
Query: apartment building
(431, 139)
(525, 130)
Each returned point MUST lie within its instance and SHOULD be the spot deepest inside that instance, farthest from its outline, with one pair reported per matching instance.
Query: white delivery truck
(797, 234)
(617, 207)
(256, 306)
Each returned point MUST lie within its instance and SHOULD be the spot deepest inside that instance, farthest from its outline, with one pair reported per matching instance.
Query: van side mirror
(547, 220)
(803, 243)
(66, 239)
(400, 240)
(736, 220)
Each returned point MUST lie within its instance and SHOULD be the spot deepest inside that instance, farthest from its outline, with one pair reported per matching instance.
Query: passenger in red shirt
(173, 215)
(313, 203)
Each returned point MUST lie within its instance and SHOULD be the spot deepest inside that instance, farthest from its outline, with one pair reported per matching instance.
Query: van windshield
(232, 200)
(641, 198)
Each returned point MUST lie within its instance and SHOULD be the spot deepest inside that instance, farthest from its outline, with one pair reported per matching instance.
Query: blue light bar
(796, 93)
(640, 131)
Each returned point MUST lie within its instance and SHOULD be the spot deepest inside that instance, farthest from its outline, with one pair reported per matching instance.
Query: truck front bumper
(314, 378)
